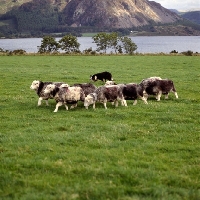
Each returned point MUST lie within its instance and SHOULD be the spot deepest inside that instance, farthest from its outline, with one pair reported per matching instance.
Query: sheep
(65, 95)
(39, 87)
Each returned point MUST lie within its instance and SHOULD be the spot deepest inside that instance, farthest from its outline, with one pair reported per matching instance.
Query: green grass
(88, 34)
(139, 152)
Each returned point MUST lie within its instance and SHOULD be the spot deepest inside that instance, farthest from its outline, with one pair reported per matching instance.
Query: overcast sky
(180, 5)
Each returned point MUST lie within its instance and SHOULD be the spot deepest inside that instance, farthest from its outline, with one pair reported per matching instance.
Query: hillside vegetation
(40, 17)
(137, 152)
(7, 5)
(193, 16)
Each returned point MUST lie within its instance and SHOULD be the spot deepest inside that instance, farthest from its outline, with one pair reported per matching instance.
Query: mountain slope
(36, 17)
(7, 5)
(116, 13)
(193, 16)
(106, 13)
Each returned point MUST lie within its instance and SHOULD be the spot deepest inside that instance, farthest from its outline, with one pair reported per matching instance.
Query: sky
(180, 5)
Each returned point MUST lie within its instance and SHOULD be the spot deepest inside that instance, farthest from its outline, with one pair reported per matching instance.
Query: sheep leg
(135, 102)
(40, 101)
(144, 99)
(58, 105)
(176, 95)
(73, 106)
(116, 103)
(47, 103)
(124, 102)
(145, 95)
(104, 103)
(66, 106)
(159, 95)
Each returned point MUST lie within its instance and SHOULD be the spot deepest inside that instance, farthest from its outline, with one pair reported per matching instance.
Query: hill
(7, 5)
(193, 16)
(175, 11)
(36, 17)
(117, 14)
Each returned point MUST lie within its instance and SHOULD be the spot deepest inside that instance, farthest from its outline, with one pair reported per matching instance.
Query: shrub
(88, 51)
(187, 53)
(18, 52)
(174, 51)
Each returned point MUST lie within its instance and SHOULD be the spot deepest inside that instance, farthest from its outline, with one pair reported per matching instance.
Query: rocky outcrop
(116, 13)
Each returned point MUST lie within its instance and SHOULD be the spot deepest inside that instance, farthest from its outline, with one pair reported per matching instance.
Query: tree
(128, 45)
(113, 41)
(48, 45)
(105, 41)
(69, 44)
(102, 41)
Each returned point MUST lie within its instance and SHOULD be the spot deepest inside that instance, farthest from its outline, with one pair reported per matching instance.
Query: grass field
(136, 152)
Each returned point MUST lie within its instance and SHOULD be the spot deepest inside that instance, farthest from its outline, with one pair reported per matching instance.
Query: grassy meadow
(126, 153)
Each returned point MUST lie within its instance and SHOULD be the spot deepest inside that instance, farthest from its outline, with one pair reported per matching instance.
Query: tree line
(103, 41)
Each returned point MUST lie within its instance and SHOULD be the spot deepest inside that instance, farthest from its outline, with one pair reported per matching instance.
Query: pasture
(136, 152)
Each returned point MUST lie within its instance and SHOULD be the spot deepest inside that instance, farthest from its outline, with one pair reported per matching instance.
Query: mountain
(175, 11)
(116, 13)
(7, 5)
(34, 15)
(193, 16)
(18, 17)
(101, 13)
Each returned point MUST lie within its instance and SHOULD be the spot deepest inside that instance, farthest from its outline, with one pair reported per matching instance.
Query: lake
(145, 44)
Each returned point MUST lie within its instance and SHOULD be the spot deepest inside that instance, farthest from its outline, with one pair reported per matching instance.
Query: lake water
(145, 44)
